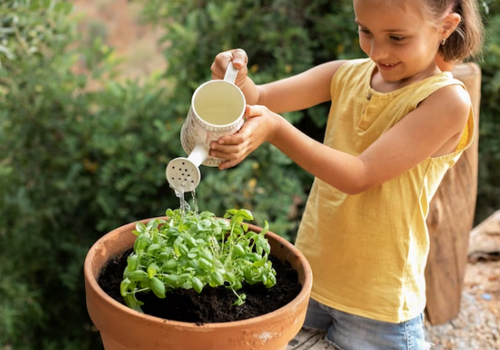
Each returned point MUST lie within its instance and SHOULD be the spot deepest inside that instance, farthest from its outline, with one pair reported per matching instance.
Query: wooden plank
(450, 219)
(309, 340)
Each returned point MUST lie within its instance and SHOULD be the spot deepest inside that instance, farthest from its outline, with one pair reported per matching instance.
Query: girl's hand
(260, 126)
(239, 59)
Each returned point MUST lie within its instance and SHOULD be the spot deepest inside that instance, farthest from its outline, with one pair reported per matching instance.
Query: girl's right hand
(239, 58)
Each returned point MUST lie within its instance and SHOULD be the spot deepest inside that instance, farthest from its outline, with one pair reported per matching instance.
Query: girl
(396, 124)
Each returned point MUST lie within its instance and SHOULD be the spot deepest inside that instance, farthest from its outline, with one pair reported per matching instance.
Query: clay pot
(122, 328)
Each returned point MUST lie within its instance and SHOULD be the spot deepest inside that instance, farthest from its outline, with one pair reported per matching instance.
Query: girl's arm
(433, 129)
(290, 94)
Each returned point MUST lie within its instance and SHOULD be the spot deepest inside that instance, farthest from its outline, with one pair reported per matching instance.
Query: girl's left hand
(260, 126)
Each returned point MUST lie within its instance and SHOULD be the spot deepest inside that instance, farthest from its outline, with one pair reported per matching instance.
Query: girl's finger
(225, 152)
(219, 66)
(239, 58)
(230, 163)
(235, 139)
(254, 111)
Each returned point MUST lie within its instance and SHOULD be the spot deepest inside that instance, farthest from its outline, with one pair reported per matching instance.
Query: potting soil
(212, 304)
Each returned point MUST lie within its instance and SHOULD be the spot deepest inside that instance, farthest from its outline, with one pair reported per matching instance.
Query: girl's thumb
(252, 111)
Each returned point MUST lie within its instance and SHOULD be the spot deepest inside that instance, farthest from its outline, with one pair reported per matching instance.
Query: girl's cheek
(363, 43)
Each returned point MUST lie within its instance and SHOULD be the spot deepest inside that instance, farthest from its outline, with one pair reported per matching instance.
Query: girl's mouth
(387, 66)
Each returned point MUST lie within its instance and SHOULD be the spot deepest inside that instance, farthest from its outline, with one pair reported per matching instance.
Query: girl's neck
(379, 84)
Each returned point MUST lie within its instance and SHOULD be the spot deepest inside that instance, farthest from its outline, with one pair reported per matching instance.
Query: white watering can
(217, 109)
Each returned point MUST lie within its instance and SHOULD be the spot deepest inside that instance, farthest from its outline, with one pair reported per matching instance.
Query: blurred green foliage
(488, 197)
(77, 162)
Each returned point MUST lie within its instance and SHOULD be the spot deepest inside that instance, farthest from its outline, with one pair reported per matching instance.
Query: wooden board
(450, 219)
(309, 340)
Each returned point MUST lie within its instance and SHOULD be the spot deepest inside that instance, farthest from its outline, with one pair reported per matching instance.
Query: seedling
(189, 250)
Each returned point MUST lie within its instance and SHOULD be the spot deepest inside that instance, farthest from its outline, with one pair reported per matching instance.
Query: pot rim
(92, 283)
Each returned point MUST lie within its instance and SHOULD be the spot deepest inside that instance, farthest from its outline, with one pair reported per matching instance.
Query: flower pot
(123, 328)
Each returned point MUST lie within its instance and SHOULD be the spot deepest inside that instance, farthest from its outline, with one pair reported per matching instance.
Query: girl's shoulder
(355, 69)
(357, 64)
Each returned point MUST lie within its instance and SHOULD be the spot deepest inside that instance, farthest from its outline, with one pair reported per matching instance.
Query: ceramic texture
(194, 131)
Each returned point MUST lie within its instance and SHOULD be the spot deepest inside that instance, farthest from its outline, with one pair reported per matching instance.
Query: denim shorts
(350, 332)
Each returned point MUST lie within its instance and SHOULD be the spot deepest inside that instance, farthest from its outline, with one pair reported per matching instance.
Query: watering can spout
(198, 155)
(183, 174)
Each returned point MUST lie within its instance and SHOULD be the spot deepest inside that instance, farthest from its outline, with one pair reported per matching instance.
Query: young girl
(396, 124)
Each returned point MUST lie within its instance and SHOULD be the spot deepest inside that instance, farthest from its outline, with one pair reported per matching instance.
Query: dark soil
(212, 304)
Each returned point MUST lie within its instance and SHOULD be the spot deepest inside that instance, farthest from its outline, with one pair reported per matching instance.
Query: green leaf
(132, 262)
(124, 286)
(133, 303)
(224, 224)
(152, 269)
(246, 214)
(197, 284)
(238, 250)
(204, 225)
(190, 241)
(205, 264)
(241, 300)
(140, 243)
(151, 224)
(271, 281)
(229, 276)
(205, 253)
(157, 287)
(253, 257)
(170, 264)
(260, 262)
(172, 280)
(265, 229)
(177, 245)
(153, 248)
(140, 227)
(217, 278)
(137, 275)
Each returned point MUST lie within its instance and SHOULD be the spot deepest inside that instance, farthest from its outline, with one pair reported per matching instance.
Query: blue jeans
(350, 332)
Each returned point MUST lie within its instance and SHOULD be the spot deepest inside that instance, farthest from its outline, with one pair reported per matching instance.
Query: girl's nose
(377, 51)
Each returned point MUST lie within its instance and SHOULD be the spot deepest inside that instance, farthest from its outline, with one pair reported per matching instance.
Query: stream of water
(184, 205)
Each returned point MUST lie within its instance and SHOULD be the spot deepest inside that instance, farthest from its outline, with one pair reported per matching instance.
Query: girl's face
(396, 37)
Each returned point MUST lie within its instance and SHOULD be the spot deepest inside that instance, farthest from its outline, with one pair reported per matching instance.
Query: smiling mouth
(387, 66)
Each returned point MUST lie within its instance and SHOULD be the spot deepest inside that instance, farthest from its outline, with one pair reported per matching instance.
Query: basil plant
(191, 250)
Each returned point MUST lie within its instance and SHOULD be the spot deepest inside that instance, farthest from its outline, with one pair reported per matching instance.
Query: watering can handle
(231, 73)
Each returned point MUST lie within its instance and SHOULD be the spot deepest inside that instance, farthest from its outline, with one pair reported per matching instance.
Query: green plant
(190, 250)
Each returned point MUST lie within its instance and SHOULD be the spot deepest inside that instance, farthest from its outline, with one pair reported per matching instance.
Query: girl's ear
(450, 23)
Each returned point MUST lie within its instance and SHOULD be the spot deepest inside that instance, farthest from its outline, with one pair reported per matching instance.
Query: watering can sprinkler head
(183, 174)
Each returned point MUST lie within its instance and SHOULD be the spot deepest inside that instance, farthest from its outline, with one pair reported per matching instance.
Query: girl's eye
(397, 38)
(364, 31)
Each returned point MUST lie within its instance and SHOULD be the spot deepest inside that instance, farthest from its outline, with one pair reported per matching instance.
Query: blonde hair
(467, 39)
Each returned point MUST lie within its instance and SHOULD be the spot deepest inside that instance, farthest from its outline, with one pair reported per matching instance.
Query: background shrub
(76, 163)
(488, 196)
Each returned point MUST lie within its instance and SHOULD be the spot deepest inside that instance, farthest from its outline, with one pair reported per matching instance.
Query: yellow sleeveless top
(368, 251)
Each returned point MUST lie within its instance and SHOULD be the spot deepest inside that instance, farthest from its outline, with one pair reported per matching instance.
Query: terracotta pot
(123, 328)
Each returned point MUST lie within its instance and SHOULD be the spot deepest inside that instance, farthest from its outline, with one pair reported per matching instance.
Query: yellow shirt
(368, 251)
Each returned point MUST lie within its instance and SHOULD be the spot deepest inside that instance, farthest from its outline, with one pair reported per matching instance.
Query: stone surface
(477, 326)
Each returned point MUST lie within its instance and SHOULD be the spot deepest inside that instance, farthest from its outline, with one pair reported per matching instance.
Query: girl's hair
(467, 39)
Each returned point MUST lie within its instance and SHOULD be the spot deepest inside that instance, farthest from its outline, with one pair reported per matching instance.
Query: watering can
(217, 109)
